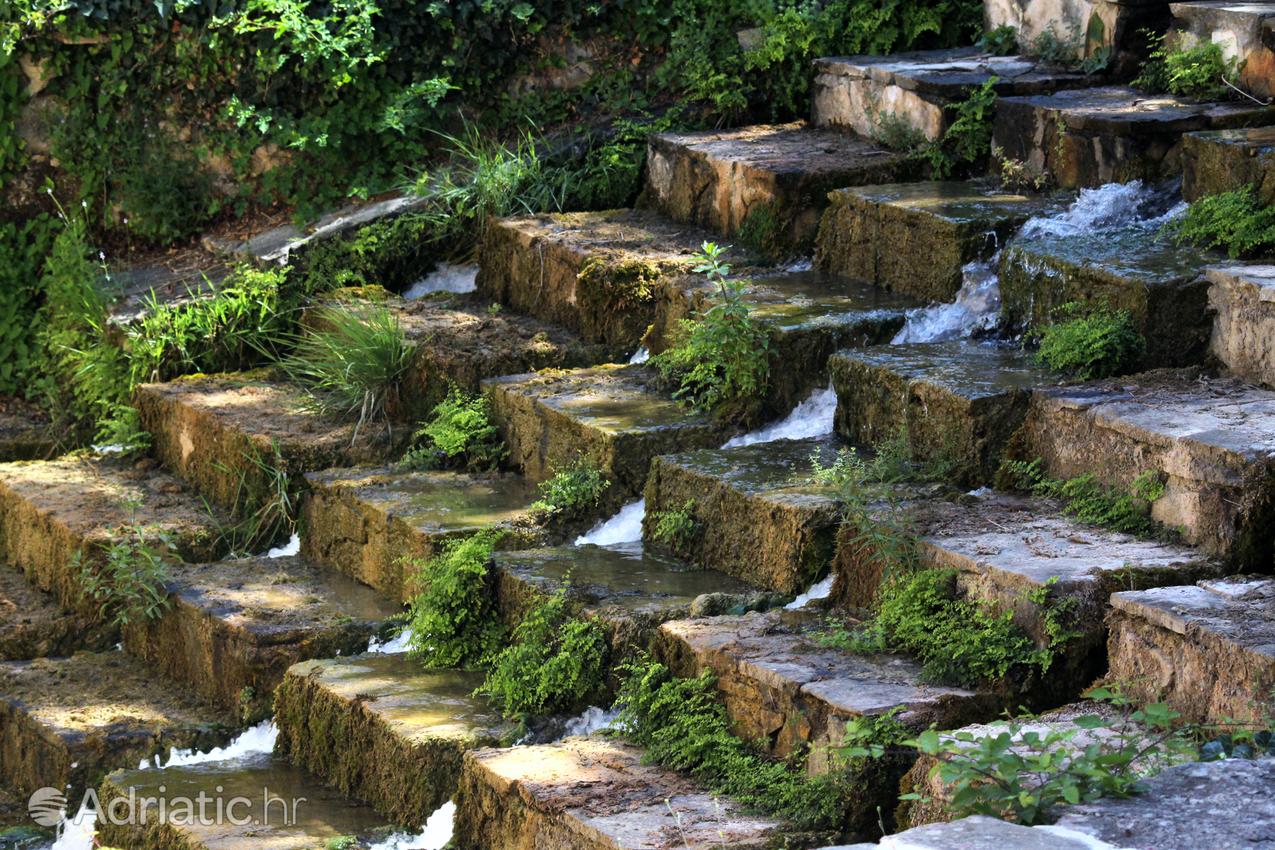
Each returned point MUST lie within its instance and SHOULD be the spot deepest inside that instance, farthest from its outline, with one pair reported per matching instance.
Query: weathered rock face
(916, 90)
(1225, 160)
(596, 794)
(299, 813)
(1243, 302)
(375, 524)
(1209, 439)
(779, 176)
(383, 730)
(67, 721)
(1095, 136)
(1133, 268)
(1093, 25)
(914, 238)
(610, 415)
(954, 403)
(782, 689)
(49, 510)
(234, 627)
(1204, 649)
(24, 432)
(33, 625)
(759, 516)
(984, 833)
(217, 432)
(1245, 32)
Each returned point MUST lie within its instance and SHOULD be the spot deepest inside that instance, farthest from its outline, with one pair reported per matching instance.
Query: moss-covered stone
(383, 730)
(1226, 160)
(65, 722)
(915, 238)
(24, 432)
(370, 522)
(955, 404)
(33, 625)
(1242, 298)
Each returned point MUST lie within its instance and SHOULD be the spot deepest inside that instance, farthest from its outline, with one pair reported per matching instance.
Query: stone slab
(956, 403)
(288, 243)
(68, 721)
(375, 523)
(1208, 650)
(33, 625)
(915, 238)
(614, 416)
(596, 794)
(234, 627)
(1242, 298)
(1089, 137)
(985, 833)
(383, 730)
(718, 178)
(1114, 26)
(24, 432)
(1208, 438)
(1244, 31)
(301, 813)
(1226, 160)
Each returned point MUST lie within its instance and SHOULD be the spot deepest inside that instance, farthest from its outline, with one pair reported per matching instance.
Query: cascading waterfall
(624, 527)
(811, 418)
(292, 547)
(446, 278)
(434, 835)
(593, 719)
(976, 308)
(254, 741)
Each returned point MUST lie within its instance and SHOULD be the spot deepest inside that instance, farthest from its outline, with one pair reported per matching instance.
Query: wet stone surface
(1226, 160)
(985, 833)
(717, 179)
(957, 402)
(914, 238)
(33, 625)
(1208, 650)
(302, 813)
(68, 721)
(384, 730)
(596, 794)
(235, 626)
(368, 521)
(1242, 298)
(24, 431)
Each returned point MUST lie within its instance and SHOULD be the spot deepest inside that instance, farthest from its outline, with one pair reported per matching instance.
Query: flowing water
(399, 643)
(253, 741)
(292, 547)
(976, 309)
(819, 590)
(624, 527)
(592, 720)
(640, 356)
(446, 278)
(433, 836)
(811, 418)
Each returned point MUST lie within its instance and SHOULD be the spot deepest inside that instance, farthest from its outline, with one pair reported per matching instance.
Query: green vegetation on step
(1098, 343)
(1087, 500)
(676, 526)
(454, 621)
(1237, 222)
(127, 578)
(1199, 71)
(458, 435)
(573, 491)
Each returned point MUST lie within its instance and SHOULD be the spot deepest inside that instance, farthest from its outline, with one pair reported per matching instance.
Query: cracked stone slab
(1242, 298)
(1211, 440)
(915, 238)
(69, 721)
(957, 402)
(384, 730)
(1208, 649)
(234, 627)
(1244, 31)
(1089, 137)
(596, 794)
(375, 523)
(919, 88)
(1225, 160)
(718, 178)
(24, 431)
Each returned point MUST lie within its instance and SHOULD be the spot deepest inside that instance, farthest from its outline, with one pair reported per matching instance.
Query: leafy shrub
(1236, 221)
(1099, 344)
(23, 247)
(1088, 501)
(677, 526)
(128, 583)
(722, 362)
(1000, 41)
(572, 491)
(453, 618)
(1201, 71)
(163, 195)
(967, 140)
(459, 434)
(555, 662)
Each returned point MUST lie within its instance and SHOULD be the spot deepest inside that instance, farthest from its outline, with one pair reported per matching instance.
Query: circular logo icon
(47, 806)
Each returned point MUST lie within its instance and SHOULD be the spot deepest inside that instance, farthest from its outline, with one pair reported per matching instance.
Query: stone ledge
(24, 432)
(1225, 160)
(33, 625)
(1242, 298)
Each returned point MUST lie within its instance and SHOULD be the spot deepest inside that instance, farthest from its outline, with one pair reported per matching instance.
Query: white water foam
(812, 418)
(624, 527)
(434, 836)
(399, 643)
(819, 590)
(446, 278)
(640, 356)
(592, 720)
(78, 832)
(975, 310)
(287, 550)
(258, 739)
(1109, 206)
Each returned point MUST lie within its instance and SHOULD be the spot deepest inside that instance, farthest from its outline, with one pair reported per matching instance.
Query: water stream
(433, 836)
(811, 418)
(446, 278)
(624, 527)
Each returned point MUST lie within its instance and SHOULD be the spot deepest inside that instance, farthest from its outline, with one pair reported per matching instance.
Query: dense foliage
(1236, 221)
(1088, 345)
(1088, 500)
(454, 621)
(458, 435)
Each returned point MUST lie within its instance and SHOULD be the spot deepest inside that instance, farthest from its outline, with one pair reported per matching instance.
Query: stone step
(782, 689)
(955, 404)
(383, 730)
(1208, 439)
(611, 415)
(66, 722)
(1245, 32)
(1225, 160)
(630, 589)
(1114, 134)
(222, 432)
(1114, 27)
(25, 431)
(771, 182)
(34, 625)
(1208, 650)
(915, 238)
(596, 794)
(49, 510)
(252, 801)
(918, 90)
(234, 627)
(1130, 267)
(1025, 556)
(1242, 299)
(758, 514)
(370, 522)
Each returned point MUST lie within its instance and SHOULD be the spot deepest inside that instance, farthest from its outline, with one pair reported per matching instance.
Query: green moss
(761, 229)
(389, 253)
